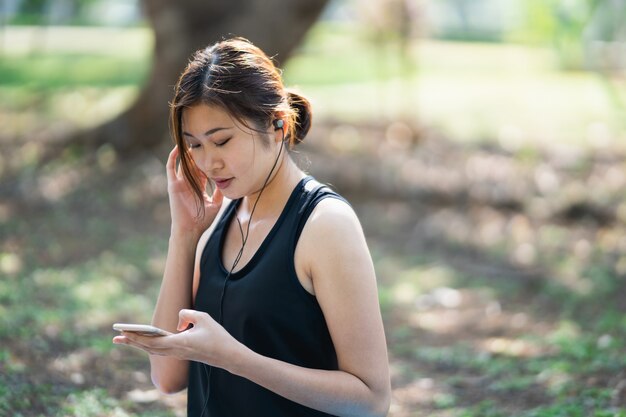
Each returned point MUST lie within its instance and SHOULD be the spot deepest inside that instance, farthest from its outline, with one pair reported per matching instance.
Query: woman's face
(230, 154)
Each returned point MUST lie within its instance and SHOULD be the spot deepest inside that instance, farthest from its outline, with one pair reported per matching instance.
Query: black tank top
(266, 308)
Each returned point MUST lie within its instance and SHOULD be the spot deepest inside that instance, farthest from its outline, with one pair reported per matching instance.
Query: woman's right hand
(186, 219)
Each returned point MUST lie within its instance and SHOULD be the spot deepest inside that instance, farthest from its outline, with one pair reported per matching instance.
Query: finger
(186, 317)
(171, 163)
(129, 344)
(147, 343)
(124, 340)
(147, 349)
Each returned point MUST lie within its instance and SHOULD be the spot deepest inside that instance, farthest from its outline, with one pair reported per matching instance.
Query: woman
(273, 294)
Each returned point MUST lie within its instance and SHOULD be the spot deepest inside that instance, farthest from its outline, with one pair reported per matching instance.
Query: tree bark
(180, 28)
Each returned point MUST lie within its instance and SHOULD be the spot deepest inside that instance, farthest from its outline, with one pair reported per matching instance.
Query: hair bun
(302, 108)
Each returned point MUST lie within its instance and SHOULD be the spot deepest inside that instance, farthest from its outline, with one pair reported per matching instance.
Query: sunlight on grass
(19, 41)
(513, 347)
(97, 403)
(508, 94)
(413, 282)
(48, 81)
(83, 297)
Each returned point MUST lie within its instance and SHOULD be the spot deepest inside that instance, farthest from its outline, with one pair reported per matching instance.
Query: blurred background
(481, 142)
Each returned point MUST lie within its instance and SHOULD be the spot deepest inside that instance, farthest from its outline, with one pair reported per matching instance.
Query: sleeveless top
(265, 307)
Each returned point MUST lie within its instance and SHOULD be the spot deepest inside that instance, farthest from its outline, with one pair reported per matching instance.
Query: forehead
(202, 116)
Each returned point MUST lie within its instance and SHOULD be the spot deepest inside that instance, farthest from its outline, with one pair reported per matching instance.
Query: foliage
(570, 27)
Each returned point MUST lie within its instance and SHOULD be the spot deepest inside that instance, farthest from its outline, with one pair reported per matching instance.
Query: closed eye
(193, 145)
(222, 143)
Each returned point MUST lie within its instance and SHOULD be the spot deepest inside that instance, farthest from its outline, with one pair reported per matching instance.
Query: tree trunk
(180, 28)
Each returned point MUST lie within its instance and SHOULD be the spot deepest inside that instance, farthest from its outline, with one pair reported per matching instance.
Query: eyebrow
(208, 132)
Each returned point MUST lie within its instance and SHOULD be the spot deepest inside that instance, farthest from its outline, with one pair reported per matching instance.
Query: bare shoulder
(332, 235)
(333, 218)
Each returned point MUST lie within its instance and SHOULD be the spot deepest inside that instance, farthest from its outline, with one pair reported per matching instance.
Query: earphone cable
(244, 240)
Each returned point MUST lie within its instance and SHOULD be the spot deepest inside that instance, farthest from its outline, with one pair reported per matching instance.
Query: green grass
(71, 57)
(45, 72)
(47, 77)
(78, 302)
(558, 375)
(574, 367)
(75, 307)
(96, 403)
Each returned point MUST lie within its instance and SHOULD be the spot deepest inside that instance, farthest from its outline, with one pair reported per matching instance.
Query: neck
(271, 199)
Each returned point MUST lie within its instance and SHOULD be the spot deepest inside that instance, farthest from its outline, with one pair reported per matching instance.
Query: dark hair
(240, 78)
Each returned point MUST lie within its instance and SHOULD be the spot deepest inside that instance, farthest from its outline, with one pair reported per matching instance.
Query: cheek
(241, 158)
(197, 157)
(204, 157)
(245, 157)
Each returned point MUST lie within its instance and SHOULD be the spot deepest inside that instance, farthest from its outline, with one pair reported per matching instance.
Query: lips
(222, 183)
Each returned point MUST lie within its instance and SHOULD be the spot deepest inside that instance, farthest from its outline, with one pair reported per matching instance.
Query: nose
(209, 162)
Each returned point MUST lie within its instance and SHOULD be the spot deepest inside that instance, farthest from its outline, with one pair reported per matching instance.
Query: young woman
(271, 295)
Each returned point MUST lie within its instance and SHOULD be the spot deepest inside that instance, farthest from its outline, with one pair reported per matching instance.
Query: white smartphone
(141, 329)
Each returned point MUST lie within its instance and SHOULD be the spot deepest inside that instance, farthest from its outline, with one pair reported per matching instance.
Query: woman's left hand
(207, 341)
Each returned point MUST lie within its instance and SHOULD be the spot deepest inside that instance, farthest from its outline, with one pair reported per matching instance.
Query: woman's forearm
(175, 293)
(335, 392)
(170, 374)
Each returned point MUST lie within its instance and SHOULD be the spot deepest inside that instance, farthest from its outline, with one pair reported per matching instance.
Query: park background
(482, 144)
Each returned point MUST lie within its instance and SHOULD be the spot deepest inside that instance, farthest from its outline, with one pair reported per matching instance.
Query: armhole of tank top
(295, 238)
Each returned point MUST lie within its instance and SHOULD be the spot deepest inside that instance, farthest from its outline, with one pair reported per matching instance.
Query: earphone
(278, 124)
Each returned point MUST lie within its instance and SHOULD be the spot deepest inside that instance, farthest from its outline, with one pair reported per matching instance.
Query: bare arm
(169, 374)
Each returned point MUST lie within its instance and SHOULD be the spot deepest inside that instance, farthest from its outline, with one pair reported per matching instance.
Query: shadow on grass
(472, 331)
(83, 246)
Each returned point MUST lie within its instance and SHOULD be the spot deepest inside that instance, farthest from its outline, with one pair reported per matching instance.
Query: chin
(231, 194)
